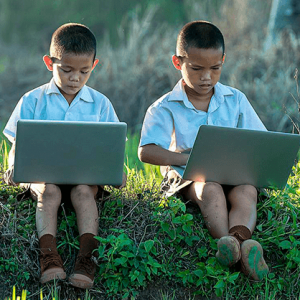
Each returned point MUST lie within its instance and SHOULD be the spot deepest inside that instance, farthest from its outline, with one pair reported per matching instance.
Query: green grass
(132, 161)
(146, 239)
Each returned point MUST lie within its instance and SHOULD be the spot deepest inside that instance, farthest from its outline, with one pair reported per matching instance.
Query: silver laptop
(63, 152)
(236, 156)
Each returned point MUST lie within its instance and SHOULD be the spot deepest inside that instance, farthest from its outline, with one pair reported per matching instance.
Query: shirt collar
(178, 94)
(220, 91)
(83, 93)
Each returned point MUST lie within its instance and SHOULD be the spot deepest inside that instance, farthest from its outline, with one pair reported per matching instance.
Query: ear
(223, 59)
(48, 62)
(95, 63)
(176, 62)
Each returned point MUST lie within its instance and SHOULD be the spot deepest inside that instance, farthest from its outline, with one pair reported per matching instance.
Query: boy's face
(71, 72)
(200, 70)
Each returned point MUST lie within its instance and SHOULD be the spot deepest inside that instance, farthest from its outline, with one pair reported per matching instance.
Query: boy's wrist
(185, 158)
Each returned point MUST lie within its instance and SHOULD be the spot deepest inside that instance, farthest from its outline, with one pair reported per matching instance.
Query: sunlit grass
(54, 295)
(14, 297)
(4, 151)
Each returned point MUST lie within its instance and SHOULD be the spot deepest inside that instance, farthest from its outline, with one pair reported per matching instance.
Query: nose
(205, 75)
(75, 77)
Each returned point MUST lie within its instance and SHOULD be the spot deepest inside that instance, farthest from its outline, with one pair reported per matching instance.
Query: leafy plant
(125, 266)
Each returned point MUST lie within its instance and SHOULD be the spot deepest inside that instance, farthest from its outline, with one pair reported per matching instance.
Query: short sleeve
(248, 118)
(157, 127)
(23, 110)
(108, 114)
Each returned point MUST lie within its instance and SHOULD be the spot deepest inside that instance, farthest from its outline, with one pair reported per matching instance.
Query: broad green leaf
(187, 228)
(285, 244)
(270, 214)
(177, 220)
(220, 284)
(199, 273)
(259, 227)
(233, 277)
(148, 245)
(188, 217)
(165, 226)
(120, 261)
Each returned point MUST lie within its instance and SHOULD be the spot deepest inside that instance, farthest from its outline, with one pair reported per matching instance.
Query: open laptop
(237, 156)
(63, 152)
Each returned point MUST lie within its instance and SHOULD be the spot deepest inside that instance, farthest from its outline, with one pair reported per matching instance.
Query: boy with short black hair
(65, 97)
(169, 131)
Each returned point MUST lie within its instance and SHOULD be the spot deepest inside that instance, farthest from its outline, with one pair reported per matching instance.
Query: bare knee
(46, 194)
(243, 194)
(83, 192)
(211, 188)
(213, 206)
(45, 190)
(211, 191)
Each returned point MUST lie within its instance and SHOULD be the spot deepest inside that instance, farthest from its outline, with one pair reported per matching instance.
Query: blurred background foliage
(33, 22)
(136, 40)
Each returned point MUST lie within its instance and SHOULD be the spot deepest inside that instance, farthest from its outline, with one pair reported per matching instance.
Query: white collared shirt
(172, 122)
(47, 103)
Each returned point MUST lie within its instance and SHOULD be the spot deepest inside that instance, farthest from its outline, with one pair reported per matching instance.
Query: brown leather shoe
(50, 261)
(85, 267)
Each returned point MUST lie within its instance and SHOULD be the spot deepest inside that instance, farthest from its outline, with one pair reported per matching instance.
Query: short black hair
(199, 34)
(72, 38)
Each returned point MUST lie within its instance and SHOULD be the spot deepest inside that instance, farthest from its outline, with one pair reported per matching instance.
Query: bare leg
(243, 200)
(83, 200)
(212, 202)
(48, 197)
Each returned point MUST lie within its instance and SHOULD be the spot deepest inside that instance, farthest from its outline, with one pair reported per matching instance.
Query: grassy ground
(152, 247)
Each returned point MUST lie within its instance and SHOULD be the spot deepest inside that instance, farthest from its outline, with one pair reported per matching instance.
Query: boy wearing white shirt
(169, 131)
(65, 97)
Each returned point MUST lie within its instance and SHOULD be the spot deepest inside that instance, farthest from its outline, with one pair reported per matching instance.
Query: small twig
(297, 85)
(141, 240)
(283, 234)
(129, 213)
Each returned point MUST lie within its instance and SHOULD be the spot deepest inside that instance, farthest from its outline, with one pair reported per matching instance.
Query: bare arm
(156, 155)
